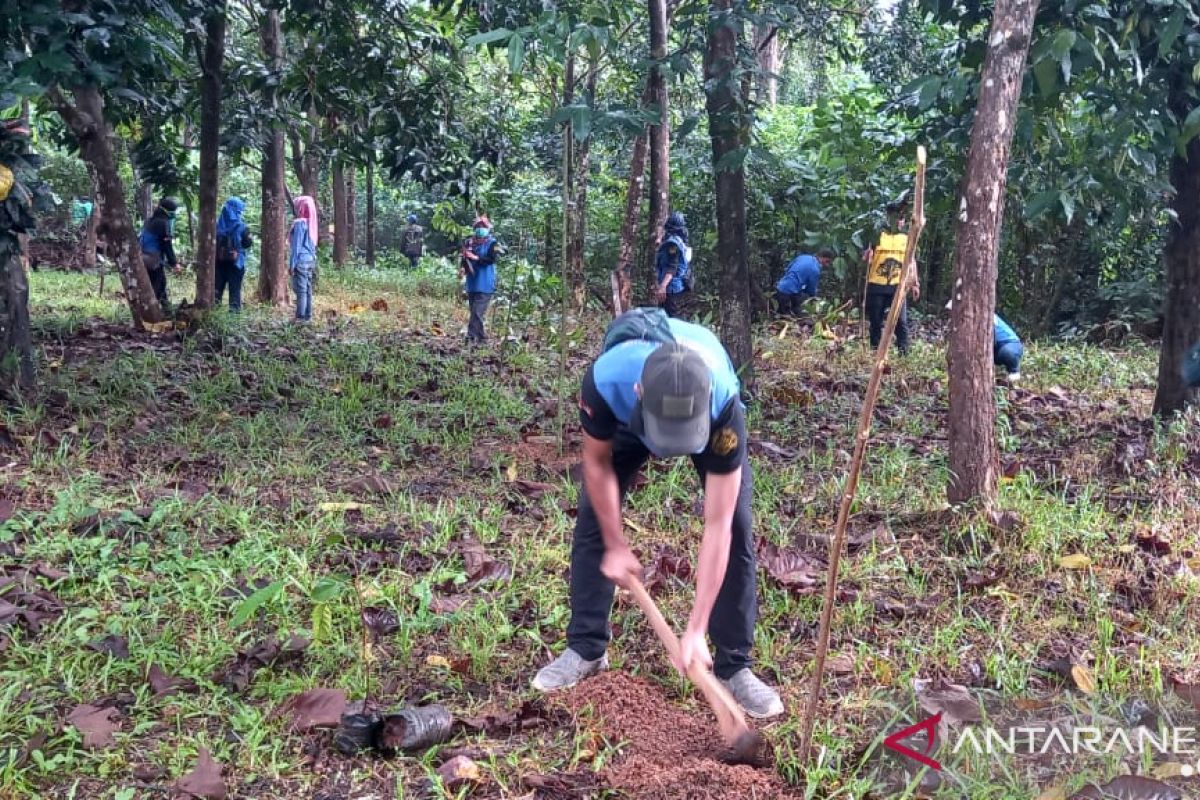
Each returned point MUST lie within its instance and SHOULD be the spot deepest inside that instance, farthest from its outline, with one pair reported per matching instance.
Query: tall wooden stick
(860, 446)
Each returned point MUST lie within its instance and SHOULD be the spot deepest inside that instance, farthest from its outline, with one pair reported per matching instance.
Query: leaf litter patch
(671, 753)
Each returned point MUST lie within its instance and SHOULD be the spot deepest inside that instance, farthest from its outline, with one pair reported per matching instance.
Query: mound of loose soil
(670, 753)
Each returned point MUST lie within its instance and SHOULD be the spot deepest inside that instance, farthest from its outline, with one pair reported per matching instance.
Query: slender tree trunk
(766, 43)
(1181, 309)
(304, 156)
(548, 253)
(144, 200)
(973, 455)
(579, 210)
(660, 134)
(633, 208)
(85, 120)
(16, 342)
(569, 197)
(339, 215)
(272, 262)
(728, 124)
(371, 210)
(351, 211)
(210, 145)
(89, 232)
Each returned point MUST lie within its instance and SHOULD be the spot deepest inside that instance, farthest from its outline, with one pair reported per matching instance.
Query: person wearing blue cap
(666, 388)
(413, 242)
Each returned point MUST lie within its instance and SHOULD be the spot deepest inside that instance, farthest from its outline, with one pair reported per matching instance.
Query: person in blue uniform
(801, 280)
(664, 388)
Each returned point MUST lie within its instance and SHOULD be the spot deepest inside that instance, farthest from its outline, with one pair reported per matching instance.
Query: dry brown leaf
(1075, 561)
(1054, 793)
(96, 724)
(205, 780)
(316, 708)
(459, 771)
(1129, 787)
(1083, 678)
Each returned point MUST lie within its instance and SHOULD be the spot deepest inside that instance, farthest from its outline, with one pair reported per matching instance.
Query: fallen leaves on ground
(163, 684)
(205, 780)
(316, 708)
(380, 621)
(113, 645)
(1075, 561)
(792, 569)
(458, 772)
(1129, 787)
(379, 305)
(955, 703)
(22, 599)
(268, 653)
(665, 565)
(96, 724)
(481, 567)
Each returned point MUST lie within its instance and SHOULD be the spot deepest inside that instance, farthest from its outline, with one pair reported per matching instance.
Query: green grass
(269, 421)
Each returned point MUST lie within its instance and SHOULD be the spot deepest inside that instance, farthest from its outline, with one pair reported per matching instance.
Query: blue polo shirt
(607, 397)
(801, 276)
(1003, 332)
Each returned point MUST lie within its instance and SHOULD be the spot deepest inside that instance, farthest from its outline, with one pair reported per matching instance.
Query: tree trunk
(660, 135)
(85, 120)
(569, 197)
(16, 342)
(351, 211)
(579, 207)
(548, 252)
(210, 145)
(304, 157)
(144, 200)
(371, 210)
(972, 437)
(1181, 309)
(766, 44)
(89, 231)
(633, 208)
(728, 125)
(272, 261)
(339, 215)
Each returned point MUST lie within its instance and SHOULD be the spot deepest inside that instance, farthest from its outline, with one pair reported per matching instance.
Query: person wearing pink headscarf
(302, 264)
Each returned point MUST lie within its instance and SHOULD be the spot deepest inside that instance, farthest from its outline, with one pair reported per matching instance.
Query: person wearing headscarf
(673, 266)
(302, 260)
(413, 243)
(478, 265)
(233, 239)
(158, 250)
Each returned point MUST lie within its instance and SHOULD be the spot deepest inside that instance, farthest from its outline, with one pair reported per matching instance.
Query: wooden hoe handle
(729, 714)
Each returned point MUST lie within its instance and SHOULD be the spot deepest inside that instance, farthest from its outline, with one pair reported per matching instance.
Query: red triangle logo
(930, 726)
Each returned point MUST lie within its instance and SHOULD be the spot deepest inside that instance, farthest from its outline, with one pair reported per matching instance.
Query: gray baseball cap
(674, 413)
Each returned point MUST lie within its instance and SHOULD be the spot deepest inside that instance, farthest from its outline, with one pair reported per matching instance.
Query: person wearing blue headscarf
(233, 239)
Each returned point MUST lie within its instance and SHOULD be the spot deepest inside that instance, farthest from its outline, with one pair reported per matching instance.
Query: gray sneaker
(756, 698)
(567, 670)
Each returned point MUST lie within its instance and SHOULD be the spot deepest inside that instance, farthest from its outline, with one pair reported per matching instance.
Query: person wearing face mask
(158, 249)
(478, 265)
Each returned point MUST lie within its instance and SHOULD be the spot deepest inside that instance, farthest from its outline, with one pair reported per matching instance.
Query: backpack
(227, 247)
(413, 239)
(648, 323)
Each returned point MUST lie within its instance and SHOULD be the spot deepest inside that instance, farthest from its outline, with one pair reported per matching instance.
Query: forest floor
(192, 525)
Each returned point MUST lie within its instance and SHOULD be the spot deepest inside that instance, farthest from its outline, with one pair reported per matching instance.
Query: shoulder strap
(650, 324)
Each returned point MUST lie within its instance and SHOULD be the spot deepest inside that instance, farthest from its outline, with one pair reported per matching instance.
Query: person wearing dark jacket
(158, 251)
(478, 265)
(413, 244)
(673, 266)
(233, 239)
